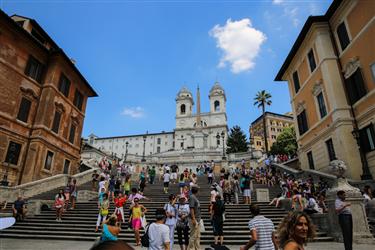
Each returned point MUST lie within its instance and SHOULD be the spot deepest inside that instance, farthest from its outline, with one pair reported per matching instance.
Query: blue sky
(138, 54)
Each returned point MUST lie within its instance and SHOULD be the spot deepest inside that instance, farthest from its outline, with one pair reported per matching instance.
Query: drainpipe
(366, 174)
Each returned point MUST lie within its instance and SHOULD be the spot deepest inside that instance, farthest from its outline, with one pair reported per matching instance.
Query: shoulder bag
(145, 239)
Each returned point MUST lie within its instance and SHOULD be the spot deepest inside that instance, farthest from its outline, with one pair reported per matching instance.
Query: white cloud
(277, 1)
(239, 42)
(292, 13)
(136, 112)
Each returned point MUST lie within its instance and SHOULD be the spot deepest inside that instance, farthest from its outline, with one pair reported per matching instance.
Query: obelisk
(199, 120)
(198, 134)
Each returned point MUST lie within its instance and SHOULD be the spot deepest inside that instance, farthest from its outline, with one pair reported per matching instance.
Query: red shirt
(119, 202)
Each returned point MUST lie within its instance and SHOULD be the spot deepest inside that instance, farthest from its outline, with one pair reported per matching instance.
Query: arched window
(182, 109)
(217, 106)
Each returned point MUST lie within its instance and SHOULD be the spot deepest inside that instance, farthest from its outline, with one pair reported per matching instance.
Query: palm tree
(262, 99)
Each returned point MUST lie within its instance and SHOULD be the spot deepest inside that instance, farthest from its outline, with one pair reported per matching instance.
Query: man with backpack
(247, 190)
(158, 232)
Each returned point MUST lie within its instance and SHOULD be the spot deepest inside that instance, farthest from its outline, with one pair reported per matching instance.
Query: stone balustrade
(40, 186)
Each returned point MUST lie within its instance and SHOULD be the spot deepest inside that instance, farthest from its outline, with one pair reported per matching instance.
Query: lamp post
(9, 160)
(366, 174)
(4, 181)
(223, 136)
(126, 150)
(144, 148)
(217, 139)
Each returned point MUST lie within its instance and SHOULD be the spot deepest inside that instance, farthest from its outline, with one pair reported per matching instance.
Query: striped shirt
(264, 228)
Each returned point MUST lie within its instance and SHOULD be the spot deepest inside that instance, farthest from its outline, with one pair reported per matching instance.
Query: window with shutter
(302, 123)
(13, 153)
(48, 162)
(355, 87)
(64, 85)
(343, 36)
(66, 166)
(56, 122)
(322, 105)
(34, 69)
(311, 160)
(72, 133)
(367, 138)
(78, 100)
(296, 81)
(331, 150)
(23, 112)
(311, 58)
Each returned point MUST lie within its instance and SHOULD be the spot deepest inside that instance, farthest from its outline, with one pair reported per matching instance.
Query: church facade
(194, 132)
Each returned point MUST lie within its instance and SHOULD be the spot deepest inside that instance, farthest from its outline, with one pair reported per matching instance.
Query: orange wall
(303, 72)
(360, 15)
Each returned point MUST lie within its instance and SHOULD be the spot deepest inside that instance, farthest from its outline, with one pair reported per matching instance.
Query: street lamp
(126, 150)
(217, 139)
(223, 136)
(4, 181)
(9, 160)
(144, 148)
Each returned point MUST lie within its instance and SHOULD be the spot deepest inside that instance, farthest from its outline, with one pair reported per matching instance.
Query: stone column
(361, 232)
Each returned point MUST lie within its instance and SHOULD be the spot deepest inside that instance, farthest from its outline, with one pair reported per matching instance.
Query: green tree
(286, 142)
(236, 141)
(262, 99)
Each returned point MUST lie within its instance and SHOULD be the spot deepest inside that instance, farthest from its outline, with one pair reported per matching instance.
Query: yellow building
(331, 78)
(275, 123)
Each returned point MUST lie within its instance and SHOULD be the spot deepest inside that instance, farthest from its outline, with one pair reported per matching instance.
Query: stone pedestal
(198, 139)
(262, 195)
(361, 232)
(34, 207)
(86, 195)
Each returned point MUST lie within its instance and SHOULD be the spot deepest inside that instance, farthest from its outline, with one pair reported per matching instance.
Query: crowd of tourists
(182, 212)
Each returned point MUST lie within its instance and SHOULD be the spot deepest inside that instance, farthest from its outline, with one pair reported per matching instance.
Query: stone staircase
(79, 224)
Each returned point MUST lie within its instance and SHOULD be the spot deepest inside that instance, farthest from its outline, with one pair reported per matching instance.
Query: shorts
(136, 223)
(174, 176)
(166, 184)
(217, 227)
(181, 184)
(247, 193)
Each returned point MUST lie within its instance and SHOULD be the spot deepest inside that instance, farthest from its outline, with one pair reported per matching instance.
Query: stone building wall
(25, 142)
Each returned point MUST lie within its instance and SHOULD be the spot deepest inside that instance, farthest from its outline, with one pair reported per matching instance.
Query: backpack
(145, 239)
(246, 183)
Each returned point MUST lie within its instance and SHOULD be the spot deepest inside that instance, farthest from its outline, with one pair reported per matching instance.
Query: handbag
(143, 221)
(58, 203)
(201, 226)
(145, 239)
(103, 212)
(181, 224)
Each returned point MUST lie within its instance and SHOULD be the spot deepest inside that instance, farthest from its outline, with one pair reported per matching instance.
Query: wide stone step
(204, 240)
(79, 224)
(243, 230)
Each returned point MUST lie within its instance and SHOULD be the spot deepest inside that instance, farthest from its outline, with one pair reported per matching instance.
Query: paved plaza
(21, 244)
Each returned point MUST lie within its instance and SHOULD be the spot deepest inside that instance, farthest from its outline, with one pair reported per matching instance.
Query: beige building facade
(275, 123)
(331, 78)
